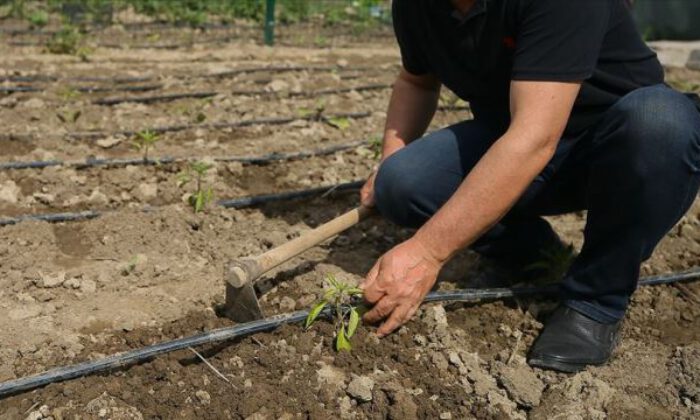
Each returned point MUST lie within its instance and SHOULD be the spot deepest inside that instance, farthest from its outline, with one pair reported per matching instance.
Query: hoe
(241, 275)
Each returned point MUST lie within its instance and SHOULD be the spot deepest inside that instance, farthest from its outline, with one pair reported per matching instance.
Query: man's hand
(367, 191)
(397, 284)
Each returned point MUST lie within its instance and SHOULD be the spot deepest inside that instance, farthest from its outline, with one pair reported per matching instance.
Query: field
(149, 268)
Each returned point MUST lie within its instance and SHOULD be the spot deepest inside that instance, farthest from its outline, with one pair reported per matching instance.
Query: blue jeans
(636, 171)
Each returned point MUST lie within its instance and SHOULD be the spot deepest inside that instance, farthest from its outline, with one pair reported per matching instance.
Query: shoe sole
(558, 365)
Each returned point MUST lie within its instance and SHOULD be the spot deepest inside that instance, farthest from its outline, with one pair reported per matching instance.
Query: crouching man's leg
(413, 183)
(644, 174)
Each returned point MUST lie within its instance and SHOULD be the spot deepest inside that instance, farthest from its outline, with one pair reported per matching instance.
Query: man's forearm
(486, 194)
(411, 108)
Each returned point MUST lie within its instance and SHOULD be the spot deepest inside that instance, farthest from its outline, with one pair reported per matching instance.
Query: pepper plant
(201, 196)
(145, 140)
(341, 298)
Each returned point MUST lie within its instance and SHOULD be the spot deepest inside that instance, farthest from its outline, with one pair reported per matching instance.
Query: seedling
(69, 41)
(341, 298)
(201, 196)
(375, 145)
(69, 116)
(314, 114)
(341, 123)
(145, 140)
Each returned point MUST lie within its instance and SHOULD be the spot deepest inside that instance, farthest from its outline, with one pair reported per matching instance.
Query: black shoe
(571, 341)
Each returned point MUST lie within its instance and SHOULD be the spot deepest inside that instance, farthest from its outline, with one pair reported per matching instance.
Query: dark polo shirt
(476, 56)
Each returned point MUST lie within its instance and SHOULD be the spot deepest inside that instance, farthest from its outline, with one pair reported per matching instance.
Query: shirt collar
(479, 8)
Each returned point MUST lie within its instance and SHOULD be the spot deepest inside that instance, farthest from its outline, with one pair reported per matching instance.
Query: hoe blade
(242, 304)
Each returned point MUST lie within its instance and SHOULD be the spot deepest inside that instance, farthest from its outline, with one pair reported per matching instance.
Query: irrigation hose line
(242, 330)
(235, 203)
(217, 125)
(215, 75)
(166, 97)
(165, 160)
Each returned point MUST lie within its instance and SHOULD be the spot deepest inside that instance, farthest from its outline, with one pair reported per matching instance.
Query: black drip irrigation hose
(143, 354)
(200, 95)
(235, 203)
(98, 89)
(165, 160)
(154, 98)
(93, 135)
(215, 75)
(16, 89)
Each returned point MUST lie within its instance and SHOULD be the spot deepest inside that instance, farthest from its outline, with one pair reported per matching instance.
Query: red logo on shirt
(509, 42)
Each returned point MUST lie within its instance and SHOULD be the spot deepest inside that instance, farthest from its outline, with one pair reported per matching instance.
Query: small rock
(329, 375)
(360, 388)
(287, 304)
(248, 383)
(44, 198)
(203, 397)
(446, 415)
(72, 284)
(439, 361)
(521, 383)
(98, 197)
(34, 415)
(277, 85)
(49, 281)
(9, 192)
(147, 191)
(88, 286)
(33, 103)
(108, 142)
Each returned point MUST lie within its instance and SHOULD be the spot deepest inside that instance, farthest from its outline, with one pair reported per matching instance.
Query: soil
(78, 291)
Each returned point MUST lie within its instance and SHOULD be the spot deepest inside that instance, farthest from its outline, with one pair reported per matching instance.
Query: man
(570, 113)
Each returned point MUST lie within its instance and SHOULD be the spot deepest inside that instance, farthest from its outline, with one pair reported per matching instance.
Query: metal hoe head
(241, 303)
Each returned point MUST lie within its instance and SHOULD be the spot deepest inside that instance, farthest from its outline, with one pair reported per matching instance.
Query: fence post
(270, 22)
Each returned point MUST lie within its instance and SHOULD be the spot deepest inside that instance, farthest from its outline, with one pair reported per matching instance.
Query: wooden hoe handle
(246, 270)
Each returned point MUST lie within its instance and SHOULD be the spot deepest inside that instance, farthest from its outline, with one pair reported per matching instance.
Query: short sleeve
(558, 40)
(404, 15)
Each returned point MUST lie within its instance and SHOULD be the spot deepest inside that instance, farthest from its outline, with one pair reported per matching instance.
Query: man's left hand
(397, 284)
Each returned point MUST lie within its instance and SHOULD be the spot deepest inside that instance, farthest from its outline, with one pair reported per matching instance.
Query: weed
(201, 197)
(341, 298)
(145, 140)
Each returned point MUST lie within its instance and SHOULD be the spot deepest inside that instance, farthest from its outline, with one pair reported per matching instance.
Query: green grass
(358, 13)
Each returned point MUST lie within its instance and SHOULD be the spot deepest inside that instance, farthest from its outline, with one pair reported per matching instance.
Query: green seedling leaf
(353, 322)
(314, 313)
(341, 123)
(341, 341)
(183, 178)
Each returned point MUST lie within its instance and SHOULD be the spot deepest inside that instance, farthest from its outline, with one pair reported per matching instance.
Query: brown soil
(79, 291)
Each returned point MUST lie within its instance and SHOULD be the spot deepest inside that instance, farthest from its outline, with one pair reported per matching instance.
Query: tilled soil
(78, 291)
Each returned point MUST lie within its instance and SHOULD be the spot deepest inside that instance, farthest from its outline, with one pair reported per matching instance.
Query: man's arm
(411, 108)
(402, 277)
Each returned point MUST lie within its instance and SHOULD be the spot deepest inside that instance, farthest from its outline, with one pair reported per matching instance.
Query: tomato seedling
(341, 298)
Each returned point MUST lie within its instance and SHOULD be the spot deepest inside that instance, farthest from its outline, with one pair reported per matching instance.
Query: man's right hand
(367, 191)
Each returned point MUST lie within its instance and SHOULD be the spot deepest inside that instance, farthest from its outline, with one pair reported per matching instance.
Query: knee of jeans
(395, 191)
(662, 127)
